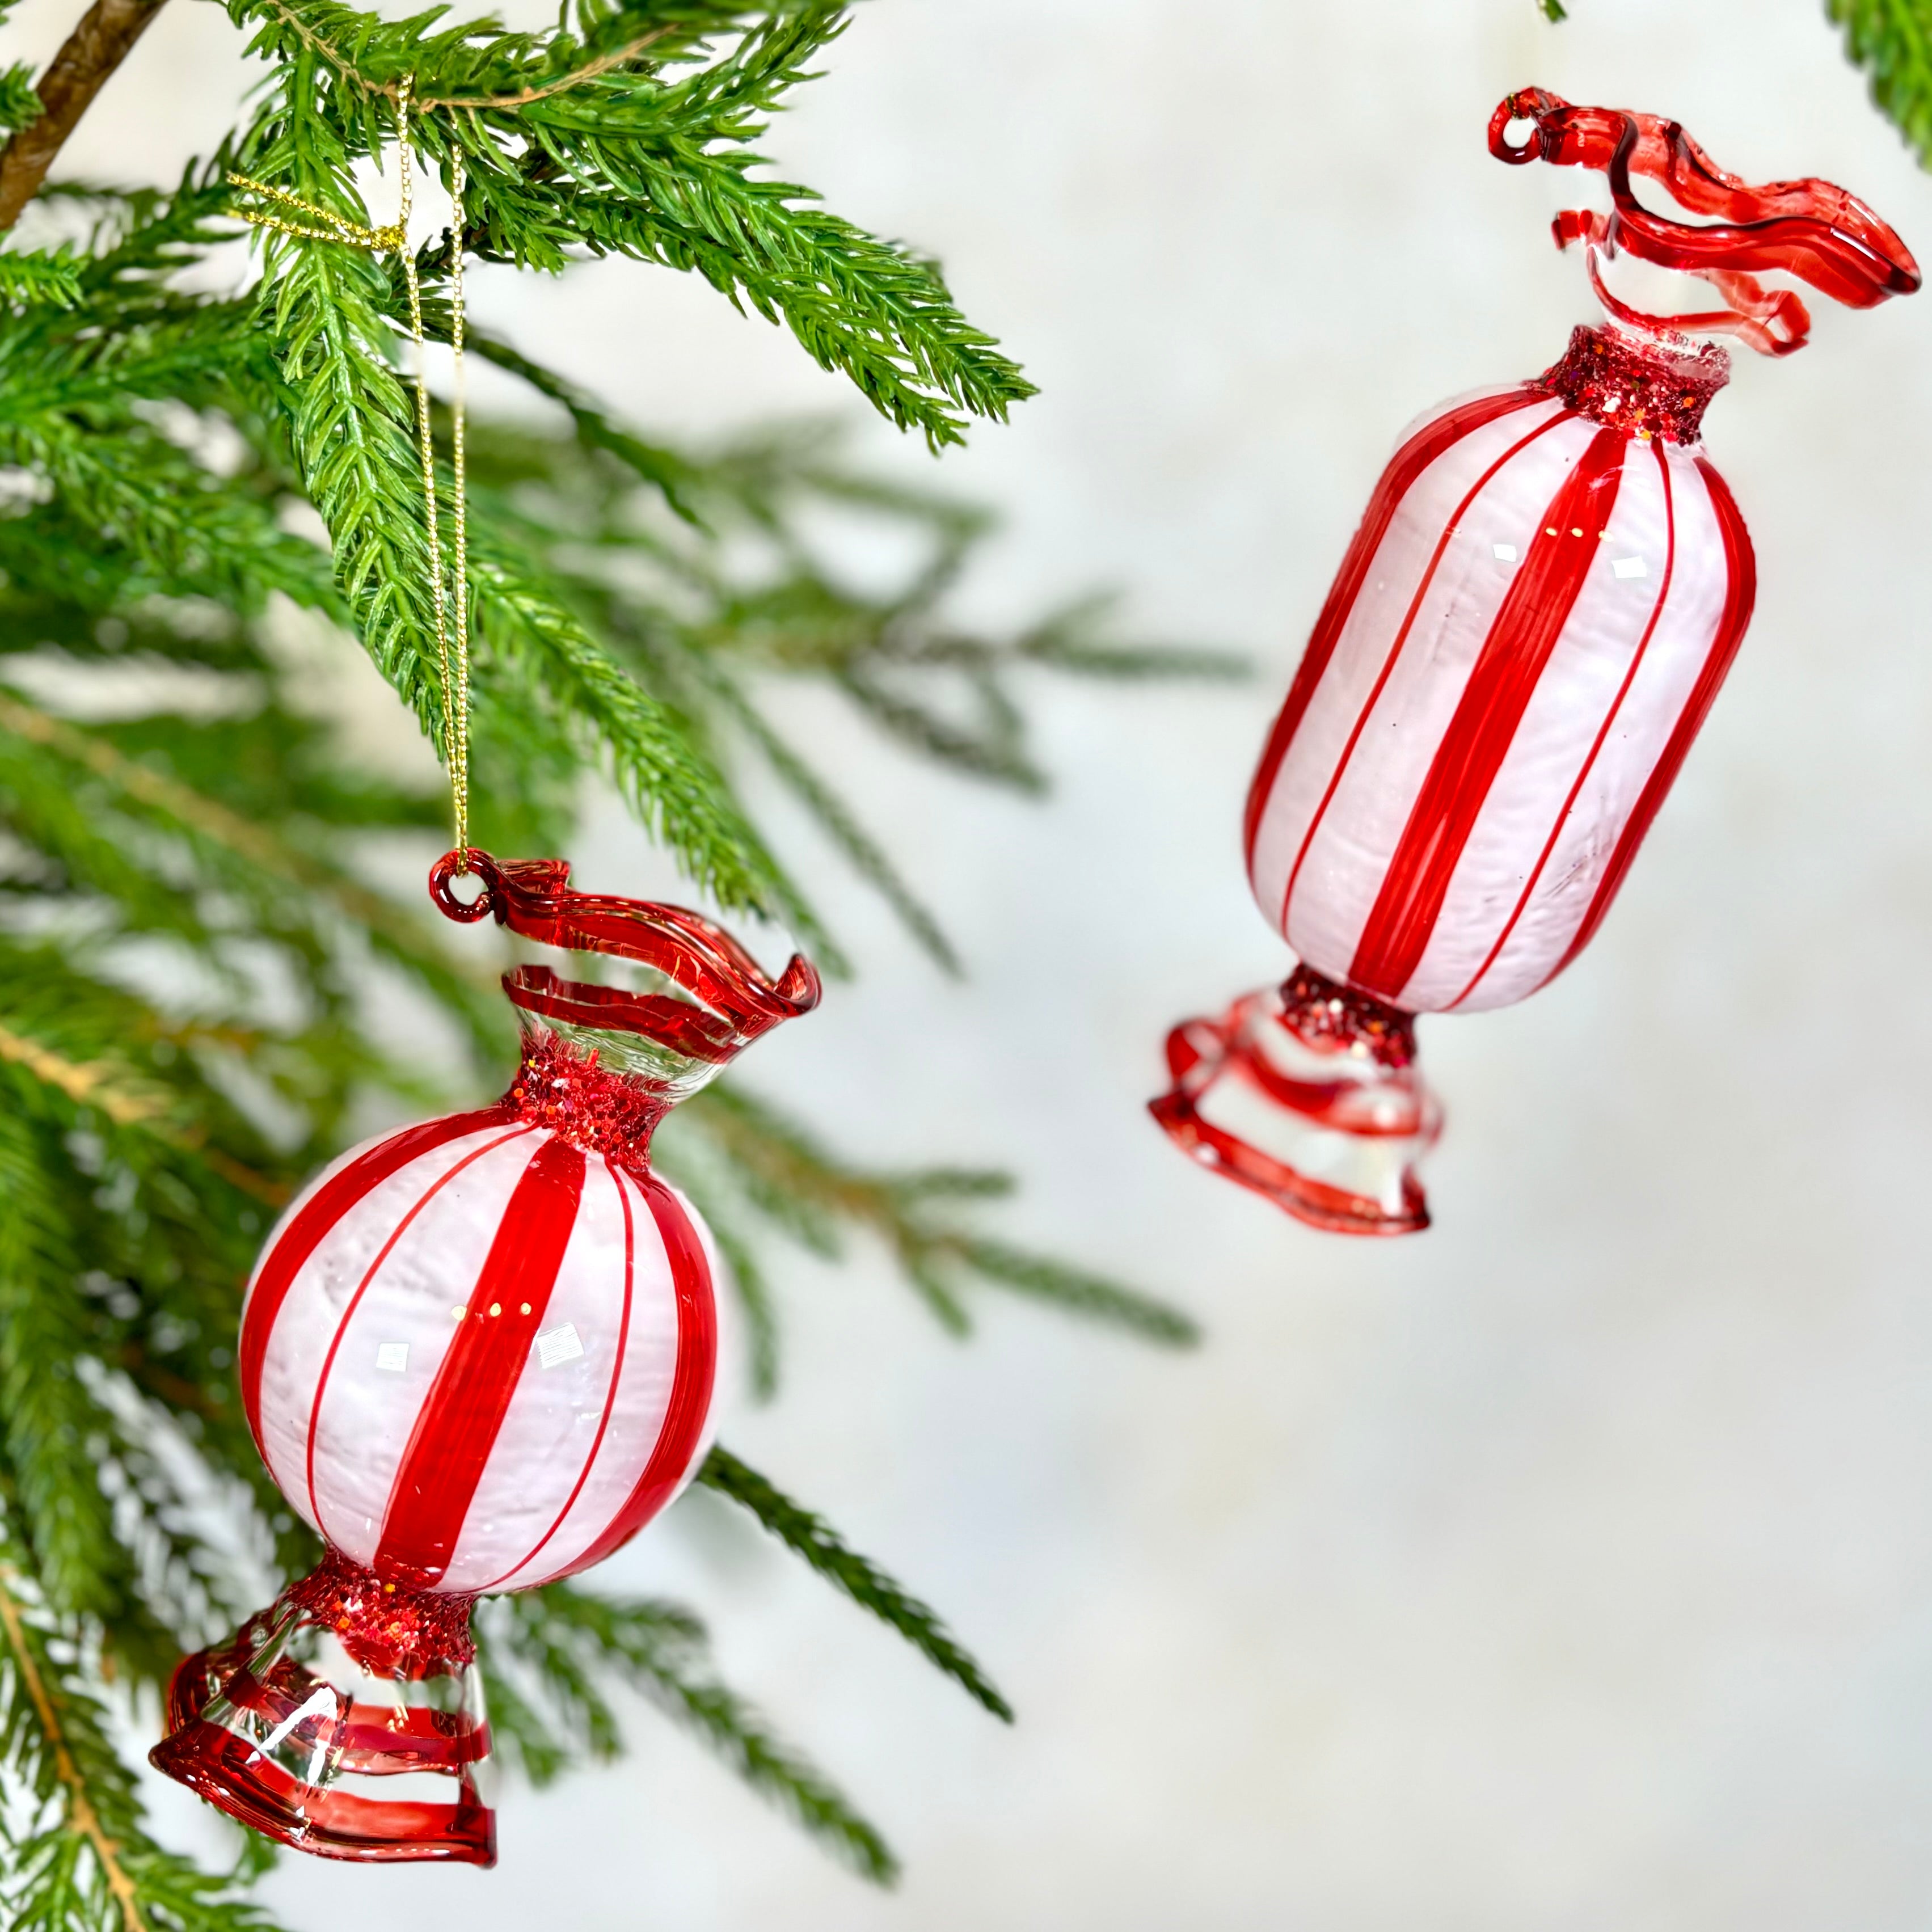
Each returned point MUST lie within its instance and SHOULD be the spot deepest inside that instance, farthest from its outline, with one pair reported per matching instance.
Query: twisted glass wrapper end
(346, 1721)
(584, 1046)
(1307, 1093)
(1814, 230)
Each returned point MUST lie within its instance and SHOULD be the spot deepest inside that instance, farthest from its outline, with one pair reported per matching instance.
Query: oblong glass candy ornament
(1529, 630)
(477, 1354)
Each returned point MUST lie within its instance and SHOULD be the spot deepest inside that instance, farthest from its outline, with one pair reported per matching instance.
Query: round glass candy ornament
(1528, 631)
(477, 1354)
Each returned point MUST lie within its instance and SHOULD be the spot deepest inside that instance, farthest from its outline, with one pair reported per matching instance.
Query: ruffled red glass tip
(1812, 230)
(346, 1721)
(1307, 1093)
(731, 1000)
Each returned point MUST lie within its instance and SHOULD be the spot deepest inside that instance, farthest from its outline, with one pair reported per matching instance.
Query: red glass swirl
(532, 898)
(1812, 230)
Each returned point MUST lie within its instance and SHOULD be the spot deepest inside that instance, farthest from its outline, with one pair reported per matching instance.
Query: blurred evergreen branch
(550, 1651)
(1892, 40)
(195, 940)
(732, 1145)
(813, 1538)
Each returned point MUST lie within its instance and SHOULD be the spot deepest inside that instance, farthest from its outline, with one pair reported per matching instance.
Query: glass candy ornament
(1526, 633)
(477, 1355)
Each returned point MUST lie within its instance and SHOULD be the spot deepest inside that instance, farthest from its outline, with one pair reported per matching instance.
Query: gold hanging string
(452, 624)
(459, 764)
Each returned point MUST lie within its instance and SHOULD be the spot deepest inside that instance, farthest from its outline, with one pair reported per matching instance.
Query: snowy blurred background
(1566, 1568)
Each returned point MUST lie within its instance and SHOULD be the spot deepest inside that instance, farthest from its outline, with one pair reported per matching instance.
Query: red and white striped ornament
(522, 1432)
(1528, 629)
(476, 1355)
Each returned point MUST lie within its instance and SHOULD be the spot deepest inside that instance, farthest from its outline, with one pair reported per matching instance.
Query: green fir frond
(811, 1536)
(20, 104)
(1892, 40)
(785, 1175)
(31, 278)
(631, 160)
(80, 1860)
(50, 1426)
(564, 1640)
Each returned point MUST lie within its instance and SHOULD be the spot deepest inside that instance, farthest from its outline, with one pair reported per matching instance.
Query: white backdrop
(1567, 1567)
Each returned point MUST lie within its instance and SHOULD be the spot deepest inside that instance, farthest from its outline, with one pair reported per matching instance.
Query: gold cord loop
(452, 624)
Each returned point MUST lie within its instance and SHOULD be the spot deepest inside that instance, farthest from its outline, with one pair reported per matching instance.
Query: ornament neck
(576, 1084)
(1323, 1012)
(1657, 388)
(388, 1627)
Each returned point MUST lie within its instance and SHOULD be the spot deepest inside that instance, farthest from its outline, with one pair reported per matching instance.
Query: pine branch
(619, 161)
(293, 892)
(799, 1186)
(83, 1864)
(867, 858)
(667, 471)
(670, 786)
(1076, 1291)
(1074, 639)
(353, 441)
(49, 1424)
(81, 1821)
(564, 1638)
(813, 1538)
(891, 652)
(513, 70)
(40, 278)
(1891, 39)
(351, 427)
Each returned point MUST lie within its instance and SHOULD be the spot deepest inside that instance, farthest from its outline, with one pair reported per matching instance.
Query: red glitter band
(1645, 391)
(389, 1628)
(1318, 1010)
(567, 1092)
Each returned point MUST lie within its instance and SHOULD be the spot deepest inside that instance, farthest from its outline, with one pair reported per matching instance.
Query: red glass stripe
(1395, 652)
(1501, 683)
(691, 1380)
(316, 1217)
(382, 1254)
(1404, 467)
(1740, 562)
(1602, 731)
(457, 1425)
(610, 1394)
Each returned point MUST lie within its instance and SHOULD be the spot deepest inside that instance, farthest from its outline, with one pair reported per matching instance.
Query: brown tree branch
(106, 33)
